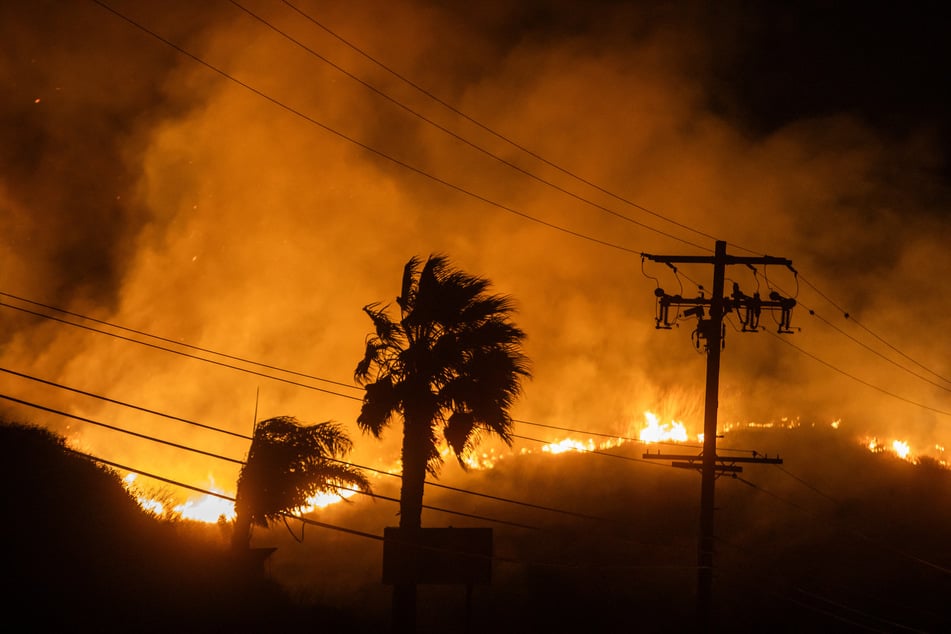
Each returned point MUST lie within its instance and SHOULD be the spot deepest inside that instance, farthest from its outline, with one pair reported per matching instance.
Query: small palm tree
(452, 362)
(289, 462)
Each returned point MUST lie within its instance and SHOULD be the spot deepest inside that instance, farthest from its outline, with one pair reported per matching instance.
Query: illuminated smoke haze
(140, 187)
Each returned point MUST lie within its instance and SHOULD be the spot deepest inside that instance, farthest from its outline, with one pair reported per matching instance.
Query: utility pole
(710, 332)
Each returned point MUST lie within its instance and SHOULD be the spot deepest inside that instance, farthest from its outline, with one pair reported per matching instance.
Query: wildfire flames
(673, 431)
(209, 508)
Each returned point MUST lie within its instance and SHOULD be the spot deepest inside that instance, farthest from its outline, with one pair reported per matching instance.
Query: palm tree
(451, 362)
(289, 462)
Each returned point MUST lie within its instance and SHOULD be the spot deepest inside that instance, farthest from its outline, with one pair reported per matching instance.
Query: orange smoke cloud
(197, 210)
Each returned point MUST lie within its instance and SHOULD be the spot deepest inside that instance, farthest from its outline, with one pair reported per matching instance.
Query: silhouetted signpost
(710, 332)
(438, 556)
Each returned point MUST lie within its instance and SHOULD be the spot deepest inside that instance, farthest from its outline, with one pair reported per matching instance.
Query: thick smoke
(144, 188)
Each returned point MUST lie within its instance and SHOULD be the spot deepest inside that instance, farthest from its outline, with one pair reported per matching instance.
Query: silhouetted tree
(452, 362)
(289, 462)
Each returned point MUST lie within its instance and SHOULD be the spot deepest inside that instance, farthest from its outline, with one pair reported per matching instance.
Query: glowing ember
(669, 432)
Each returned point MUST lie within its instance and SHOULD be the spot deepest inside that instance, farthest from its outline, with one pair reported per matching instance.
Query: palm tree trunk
(241, 535)
(414, 479)
(411, 511)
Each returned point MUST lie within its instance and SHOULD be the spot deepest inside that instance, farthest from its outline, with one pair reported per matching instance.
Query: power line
(471, 144)
(852, 318)
(874, 351)
(388, 157)
(351, 397)
(177, 342)
(386, 498)
(857, 611)
(806, 484)
(369, 148)
(119, 429)
(296, 383)
(179, 352)
(124, 404)
(226, 458)
(408, 166)
(508, 140)
(249, 438)
(858, 380)
(229, 498)
(241, 359)
(351, 531)
(858, 533)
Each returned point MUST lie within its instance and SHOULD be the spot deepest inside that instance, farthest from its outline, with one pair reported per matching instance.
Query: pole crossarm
(724, 464)
(748, 308)
(727, 260)
(723, 459)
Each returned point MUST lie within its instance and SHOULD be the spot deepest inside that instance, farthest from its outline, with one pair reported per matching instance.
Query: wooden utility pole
(710, 330)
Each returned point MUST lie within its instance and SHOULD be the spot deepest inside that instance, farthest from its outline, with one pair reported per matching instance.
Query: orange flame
(673, 431)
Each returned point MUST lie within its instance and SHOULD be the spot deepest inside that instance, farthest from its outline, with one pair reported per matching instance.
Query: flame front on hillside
(209, 508)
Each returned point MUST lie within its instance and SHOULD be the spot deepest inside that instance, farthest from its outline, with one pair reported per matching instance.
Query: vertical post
(468, 629)
(708, 474)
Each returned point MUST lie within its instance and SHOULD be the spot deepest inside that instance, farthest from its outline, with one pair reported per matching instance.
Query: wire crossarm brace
(747, 307)
(724, 464)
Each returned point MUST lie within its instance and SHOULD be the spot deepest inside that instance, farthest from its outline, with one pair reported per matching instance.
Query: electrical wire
(471, 144)
(357, 398)
(175, 342)
(124, 404)
(500, 136)
(874, 351)
(222, 496)
(806, 484)
(418, 170)
(401, 163)
(847, 315)
(871, 540)
(358, 533)
(384, 155)
(858, 380)
(248, 361)
(249, 438)
(242, 462)
(180, 353)
(119, 429)
(847, 608)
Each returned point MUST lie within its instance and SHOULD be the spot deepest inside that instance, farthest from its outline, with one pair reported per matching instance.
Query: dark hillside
(83, 556)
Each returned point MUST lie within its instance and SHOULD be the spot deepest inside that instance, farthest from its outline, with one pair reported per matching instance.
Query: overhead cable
(365, 146)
